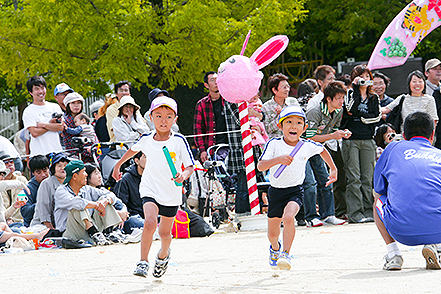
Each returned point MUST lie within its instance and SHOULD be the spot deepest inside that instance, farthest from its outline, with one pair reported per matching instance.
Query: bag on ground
(181, 225)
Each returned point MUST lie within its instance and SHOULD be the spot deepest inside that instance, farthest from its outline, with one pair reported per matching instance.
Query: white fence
(9, 123)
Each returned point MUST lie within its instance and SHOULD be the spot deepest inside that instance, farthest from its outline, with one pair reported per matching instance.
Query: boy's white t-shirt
(49, 141)
(156, 179)
(294, 174)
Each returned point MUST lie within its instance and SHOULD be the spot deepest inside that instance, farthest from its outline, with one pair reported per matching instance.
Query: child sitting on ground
(5, 232)
(160, 195)
(286, 193)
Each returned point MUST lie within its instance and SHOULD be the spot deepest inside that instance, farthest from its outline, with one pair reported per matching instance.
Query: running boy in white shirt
(286, 193)
(160, 195)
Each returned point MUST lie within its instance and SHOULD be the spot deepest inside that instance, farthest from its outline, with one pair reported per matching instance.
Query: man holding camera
(38, 119)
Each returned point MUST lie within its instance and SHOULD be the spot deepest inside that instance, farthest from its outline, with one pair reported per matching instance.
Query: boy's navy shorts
(278, 198)
(167, 211)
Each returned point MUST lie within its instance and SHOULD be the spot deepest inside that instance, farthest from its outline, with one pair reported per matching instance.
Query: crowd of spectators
(345, 115)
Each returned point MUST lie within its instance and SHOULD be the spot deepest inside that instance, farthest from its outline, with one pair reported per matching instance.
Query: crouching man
(407, 182)
(81, 211)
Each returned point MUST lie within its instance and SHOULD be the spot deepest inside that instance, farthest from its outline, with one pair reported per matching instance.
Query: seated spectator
(94, 179)
(9, 197)
(83, 212)
(6, 233)
(127, 189)
(82, 128)
(39, 166)
(44, 208)
(407, 185)
(6, 185)
(128, 125)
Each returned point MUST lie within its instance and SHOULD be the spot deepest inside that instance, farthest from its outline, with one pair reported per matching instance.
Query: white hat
(164, 101)
(71, 97)
(431, 63)
(291, 110)
(128, 100)
(61, 88)
(95, 106)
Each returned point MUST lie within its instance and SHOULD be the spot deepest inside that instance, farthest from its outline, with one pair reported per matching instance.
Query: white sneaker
(315, 222)
(332, 220)
(135, 236)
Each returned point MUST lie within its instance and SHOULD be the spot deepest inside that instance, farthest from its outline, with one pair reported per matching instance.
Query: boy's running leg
(151, 221)
(150, 224)
(273, 237)
(165, 227)
(163, 257)
(289, 231)
(274, 232)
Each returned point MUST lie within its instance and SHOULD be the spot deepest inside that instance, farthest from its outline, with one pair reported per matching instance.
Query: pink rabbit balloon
(239, 77)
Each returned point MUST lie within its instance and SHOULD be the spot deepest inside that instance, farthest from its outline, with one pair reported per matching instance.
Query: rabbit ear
(270, 50)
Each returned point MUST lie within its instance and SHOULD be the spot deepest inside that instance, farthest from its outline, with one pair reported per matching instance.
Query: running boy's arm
(116, 174)
(180, 177)
(265, 164)
(333, 172)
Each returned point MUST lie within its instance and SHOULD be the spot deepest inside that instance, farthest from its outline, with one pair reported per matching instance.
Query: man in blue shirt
(407, 184)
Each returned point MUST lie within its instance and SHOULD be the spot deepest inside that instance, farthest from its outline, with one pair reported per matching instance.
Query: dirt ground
(328, 259)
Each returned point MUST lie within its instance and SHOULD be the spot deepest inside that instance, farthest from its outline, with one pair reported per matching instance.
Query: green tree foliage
(90, 43)
(338, 29)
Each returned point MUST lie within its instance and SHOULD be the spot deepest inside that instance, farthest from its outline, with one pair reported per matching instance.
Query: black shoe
(71, 244)
(301, 222)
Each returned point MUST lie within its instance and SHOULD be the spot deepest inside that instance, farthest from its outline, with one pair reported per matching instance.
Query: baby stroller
(107, 163)
(220, 186)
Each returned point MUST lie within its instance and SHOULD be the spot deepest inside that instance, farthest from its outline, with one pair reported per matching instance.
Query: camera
(57, 116)
(79, 142)
(212, 164)
(390, 136)
(363, 82)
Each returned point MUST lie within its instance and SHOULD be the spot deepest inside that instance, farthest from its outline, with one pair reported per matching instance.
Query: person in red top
(209, 117)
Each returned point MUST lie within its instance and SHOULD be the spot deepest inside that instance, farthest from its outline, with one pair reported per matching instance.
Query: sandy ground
(329, 259)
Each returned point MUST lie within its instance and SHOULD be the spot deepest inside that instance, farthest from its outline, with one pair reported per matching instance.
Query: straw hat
(128, 100)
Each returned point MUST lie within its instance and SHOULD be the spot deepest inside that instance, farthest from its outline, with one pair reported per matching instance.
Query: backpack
(395, 118)
(181, 225)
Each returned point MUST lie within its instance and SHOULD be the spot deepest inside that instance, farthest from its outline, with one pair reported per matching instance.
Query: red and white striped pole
(249, 158)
